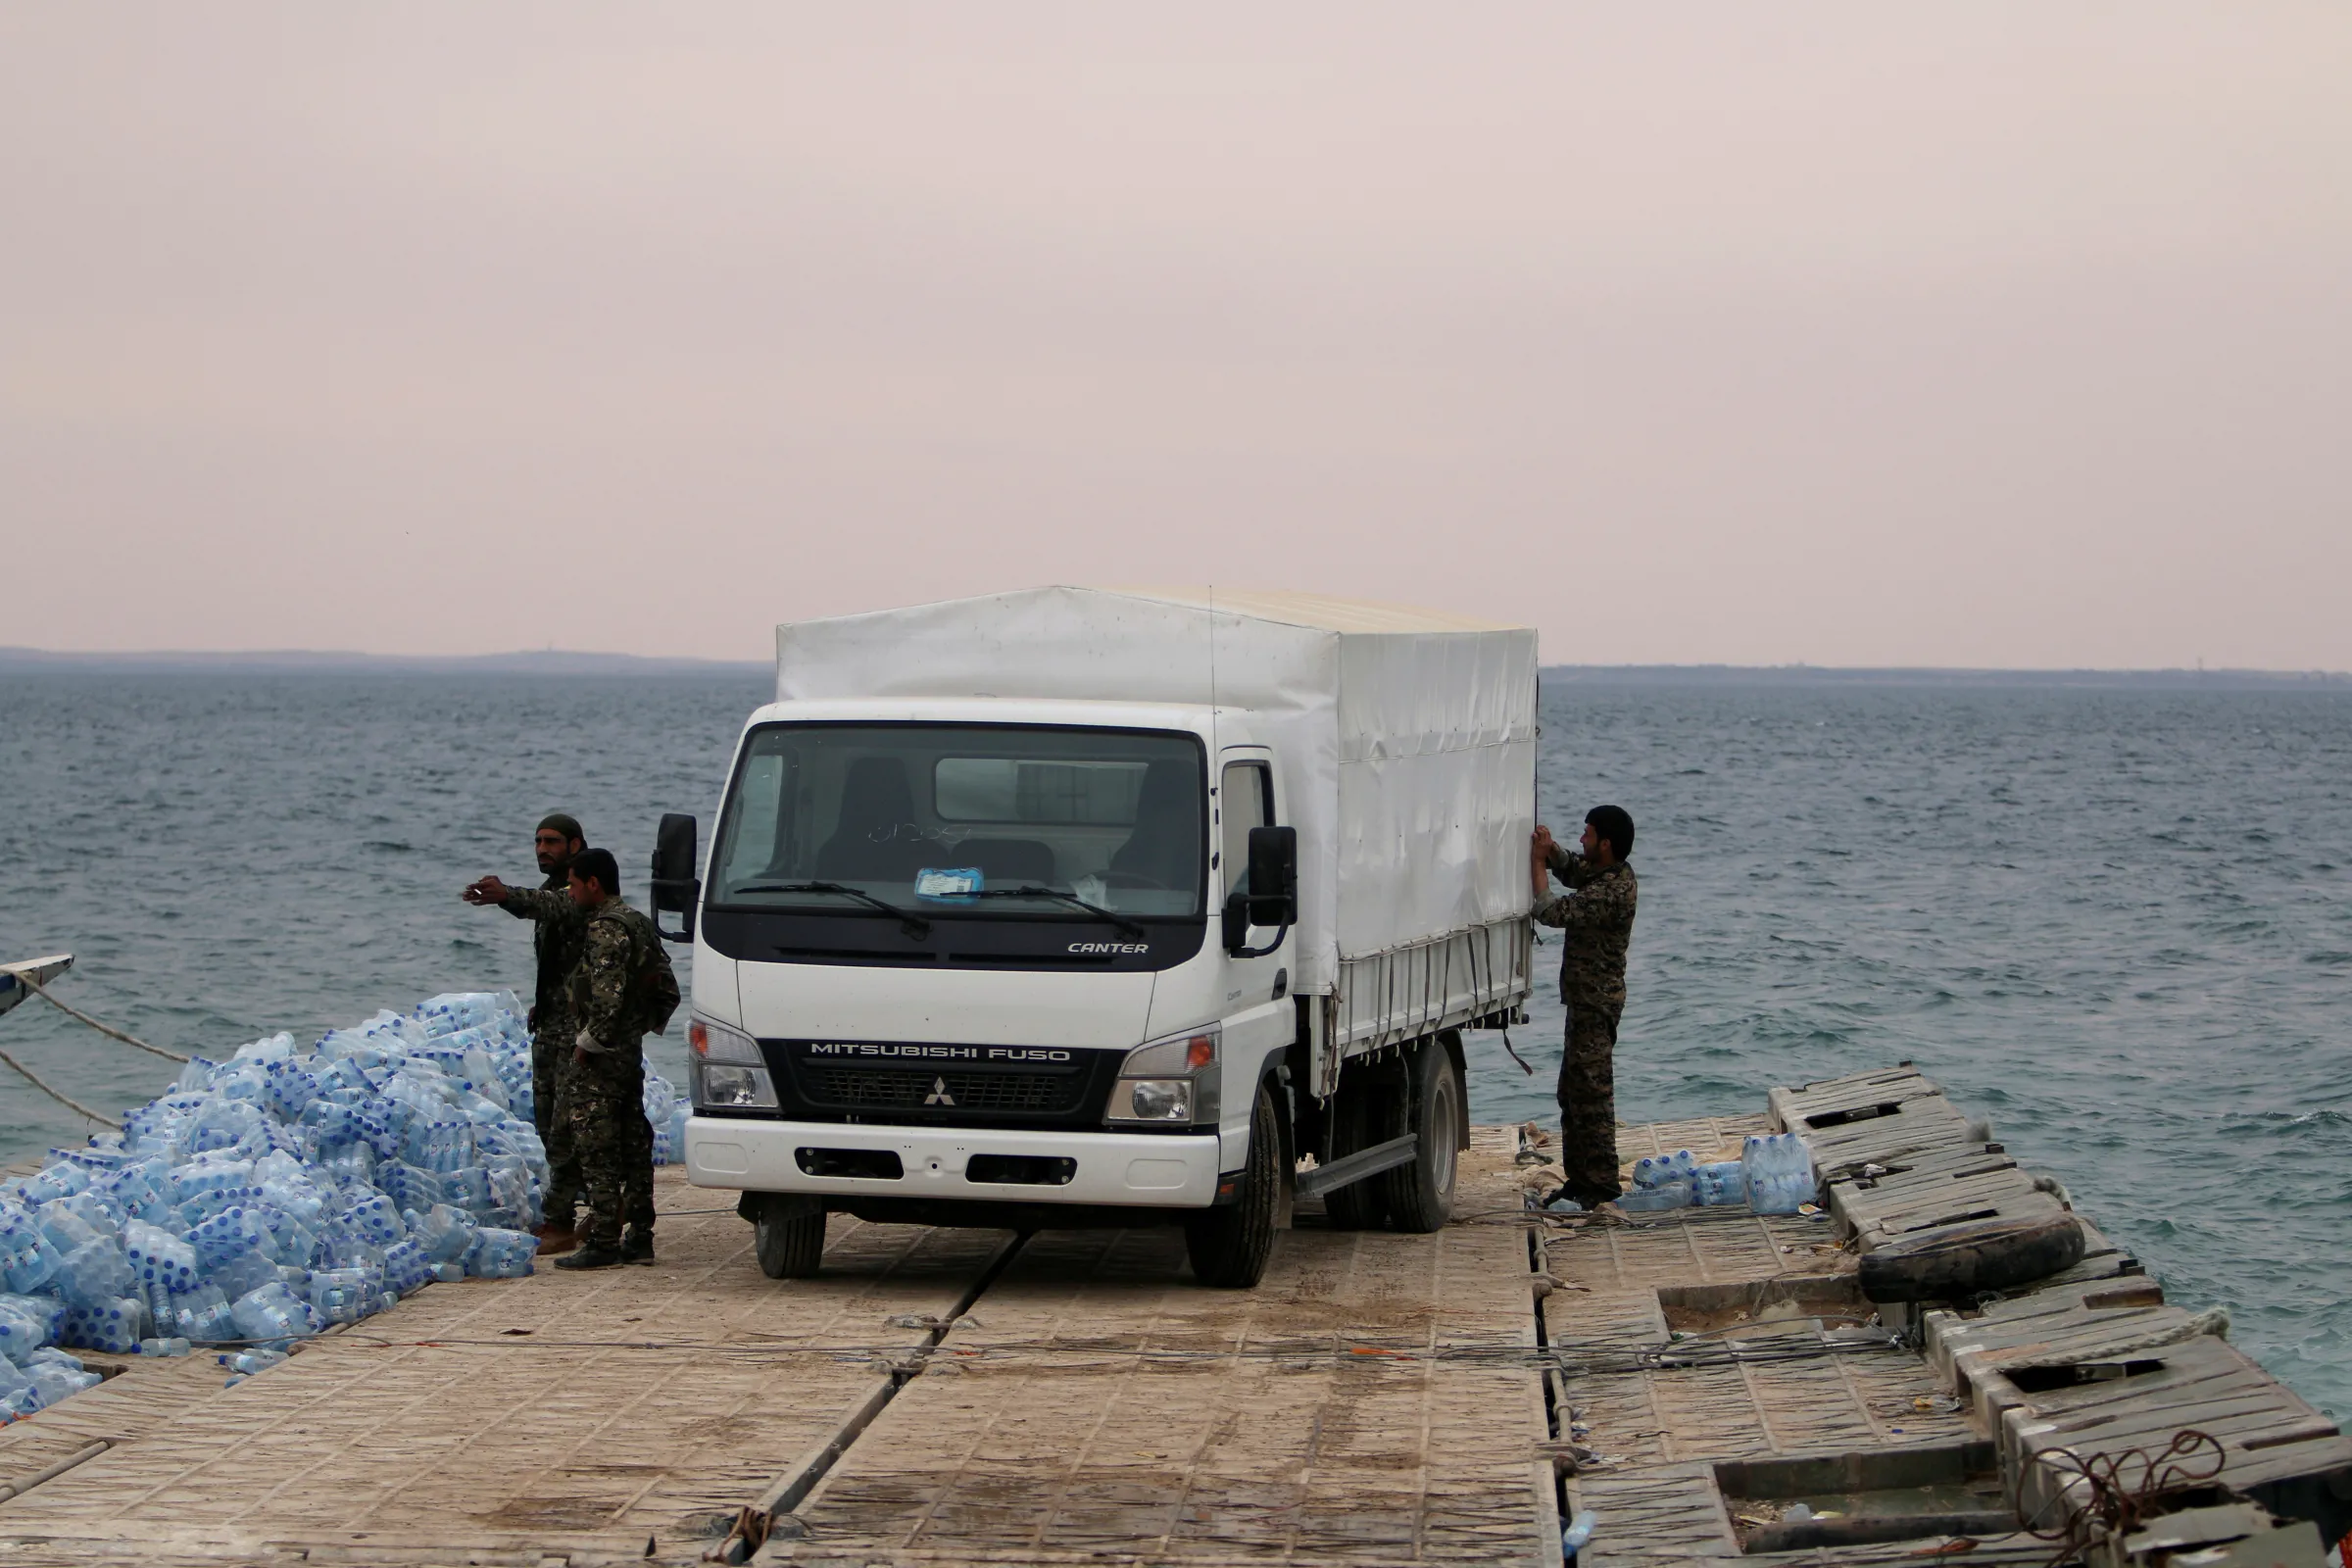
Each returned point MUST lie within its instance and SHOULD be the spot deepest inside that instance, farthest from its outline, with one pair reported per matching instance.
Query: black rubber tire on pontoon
(1361, 1114)
(1420, 1192)
(1959, 1261)
(1229, 1245)
(788, 1236)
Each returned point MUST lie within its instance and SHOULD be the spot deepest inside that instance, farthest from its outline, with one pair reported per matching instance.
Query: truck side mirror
(1270, 897)
(675, 889)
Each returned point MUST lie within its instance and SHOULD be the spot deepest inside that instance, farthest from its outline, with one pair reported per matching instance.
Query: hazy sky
(1966, 333)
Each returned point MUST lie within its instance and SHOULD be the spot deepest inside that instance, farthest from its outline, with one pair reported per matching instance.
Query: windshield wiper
(1030, 890)
(911, 923)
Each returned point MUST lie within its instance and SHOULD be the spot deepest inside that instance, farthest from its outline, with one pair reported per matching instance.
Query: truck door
(1259, 1016)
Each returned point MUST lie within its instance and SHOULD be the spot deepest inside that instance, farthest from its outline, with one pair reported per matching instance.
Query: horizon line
(16, 659)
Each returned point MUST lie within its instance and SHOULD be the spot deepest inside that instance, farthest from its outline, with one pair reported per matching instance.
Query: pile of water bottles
(1773, 1175)
(271, 1196)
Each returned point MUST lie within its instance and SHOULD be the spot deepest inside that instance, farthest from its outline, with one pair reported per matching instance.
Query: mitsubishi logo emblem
(939, 1095)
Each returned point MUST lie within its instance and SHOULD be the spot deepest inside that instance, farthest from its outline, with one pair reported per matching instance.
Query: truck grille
(848, 1088)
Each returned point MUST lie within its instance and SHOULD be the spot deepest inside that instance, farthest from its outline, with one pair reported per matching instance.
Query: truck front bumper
(1136, 1169)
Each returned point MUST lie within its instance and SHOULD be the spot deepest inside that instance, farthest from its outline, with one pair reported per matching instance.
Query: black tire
(789, 1237)
(1420, 1192)
(1956, 1262)
(1229, 1245)
(1366, 1110)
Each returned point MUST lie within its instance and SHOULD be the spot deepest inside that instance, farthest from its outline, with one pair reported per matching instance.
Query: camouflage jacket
(560, 930)
(1598, 917)
(623, 989)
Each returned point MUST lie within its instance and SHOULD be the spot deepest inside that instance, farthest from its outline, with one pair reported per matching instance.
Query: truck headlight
(1169, 1081)
(725, 1068)
(1153, 1100)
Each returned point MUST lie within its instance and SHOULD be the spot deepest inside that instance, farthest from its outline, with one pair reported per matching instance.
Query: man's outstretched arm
(547, 905)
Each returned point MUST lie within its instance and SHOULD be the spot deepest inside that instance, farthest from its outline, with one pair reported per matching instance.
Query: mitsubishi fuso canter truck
(1076, 907)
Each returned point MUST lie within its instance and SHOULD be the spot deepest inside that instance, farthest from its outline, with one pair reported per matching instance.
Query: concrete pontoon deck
(939, 1396)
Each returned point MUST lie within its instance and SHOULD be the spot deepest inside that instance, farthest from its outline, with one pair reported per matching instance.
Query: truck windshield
(959, 820)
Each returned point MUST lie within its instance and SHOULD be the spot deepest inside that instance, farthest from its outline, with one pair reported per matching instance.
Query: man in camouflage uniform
(559, 926)
(622, 991)
(1597, 915)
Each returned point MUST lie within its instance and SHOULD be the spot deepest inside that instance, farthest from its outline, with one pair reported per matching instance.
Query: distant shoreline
(559, 662)
(2207, 680)
(297, 662)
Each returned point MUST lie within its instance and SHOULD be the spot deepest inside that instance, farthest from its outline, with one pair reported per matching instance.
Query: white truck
(1076, 907)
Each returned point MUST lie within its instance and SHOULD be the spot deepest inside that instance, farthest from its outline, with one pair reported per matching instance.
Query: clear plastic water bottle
(445, 1234)
(1666, 1195)
(340, 1294)
(1578, 1532)
(54, 1381)
(1720, 1184)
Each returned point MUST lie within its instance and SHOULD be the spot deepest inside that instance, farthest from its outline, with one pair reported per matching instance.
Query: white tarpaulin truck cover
(1406, 738)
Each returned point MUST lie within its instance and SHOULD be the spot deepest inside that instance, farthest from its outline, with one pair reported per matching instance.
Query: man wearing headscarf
(558, 938)
(1597, 914)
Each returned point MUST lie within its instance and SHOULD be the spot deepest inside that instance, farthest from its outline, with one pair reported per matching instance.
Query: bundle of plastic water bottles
(271, 1196)
(667, 1111)
(1773, 1175)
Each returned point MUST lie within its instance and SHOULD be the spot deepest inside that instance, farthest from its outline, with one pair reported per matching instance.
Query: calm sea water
(2119, 923)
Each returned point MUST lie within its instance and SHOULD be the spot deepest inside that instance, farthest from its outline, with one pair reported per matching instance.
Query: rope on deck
(42, 991)
(75, 1106)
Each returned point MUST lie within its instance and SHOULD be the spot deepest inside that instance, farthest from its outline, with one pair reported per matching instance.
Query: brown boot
(553, 1238)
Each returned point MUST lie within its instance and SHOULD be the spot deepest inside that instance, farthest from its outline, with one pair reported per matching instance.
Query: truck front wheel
(788, 1235)
(1420, 1192)
(1229, 1245)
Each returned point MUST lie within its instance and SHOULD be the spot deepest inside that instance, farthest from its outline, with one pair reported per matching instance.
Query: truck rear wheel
(1366, 1110)
(1229, 1245)
(1420, 1192)
(788, 1235)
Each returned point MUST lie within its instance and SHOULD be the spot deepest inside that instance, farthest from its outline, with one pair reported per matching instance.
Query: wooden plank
(1921, 1127)
(1903, 1211)
(1847, 1183)
(18, 976)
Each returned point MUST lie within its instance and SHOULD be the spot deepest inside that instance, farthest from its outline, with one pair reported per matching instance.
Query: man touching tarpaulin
(1597, 914)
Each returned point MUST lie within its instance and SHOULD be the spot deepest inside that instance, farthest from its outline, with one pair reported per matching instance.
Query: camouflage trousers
(1589, 1104)
(550, 1068)
(614, 1143)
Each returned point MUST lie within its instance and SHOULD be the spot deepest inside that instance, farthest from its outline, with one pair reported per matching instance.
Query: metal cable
(2114, 1503)
(1669, 1357)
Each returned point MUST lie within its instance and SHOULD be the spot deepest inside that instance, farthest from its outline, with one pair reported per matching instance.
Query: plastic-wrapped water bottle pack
(1778, 1171)
(269, 1195)
(666, 1109)
(1773, 1175)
